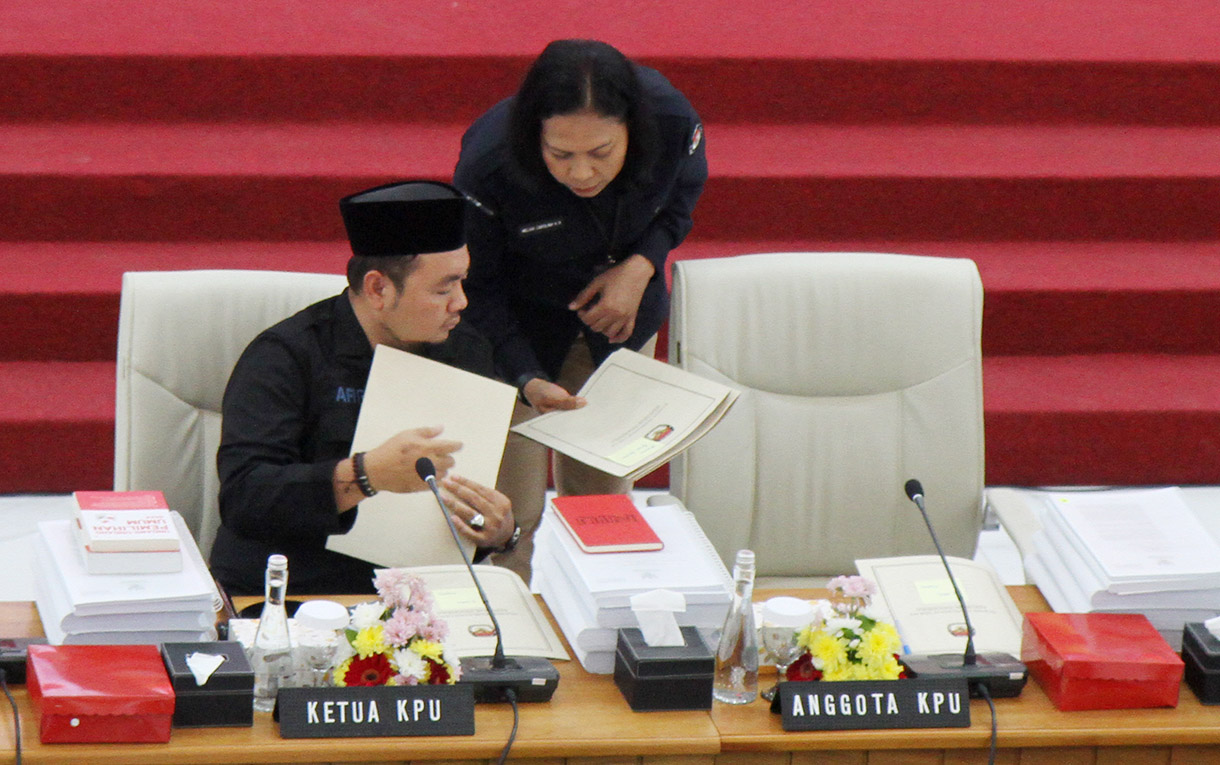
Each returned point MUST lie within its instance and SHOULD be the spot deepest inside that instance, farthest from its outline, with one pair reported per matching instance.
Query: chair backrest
(180, 333)
(858, 371)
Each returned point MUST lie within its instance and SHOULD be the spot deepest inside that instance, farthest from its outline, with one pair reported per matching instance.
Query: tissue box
(225, 700)
(664, 677)
(100, 693)
(1100, 661)
(1201, 653)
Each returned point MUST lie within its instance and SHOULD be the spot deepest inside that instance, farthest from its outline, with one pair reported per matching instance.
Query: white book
(126, 561)
(191, 589)
(571, 613)
(55, 610)
(918, 598)
(1140, 540)
(1079, 581)
(688, 563)
(557, 584)
(1065, 594)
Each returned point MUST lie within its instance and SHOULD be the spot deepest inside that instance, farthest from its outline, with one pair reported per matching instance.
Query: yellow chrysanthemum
(828, 651)
(369, 641)
(879, 643)
(338, 677)
(428, 649)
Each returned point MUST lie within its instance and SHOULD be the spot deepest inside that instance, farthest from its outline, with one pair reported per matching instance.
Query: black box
(664, 677)
(1201, 652)
(226, 700)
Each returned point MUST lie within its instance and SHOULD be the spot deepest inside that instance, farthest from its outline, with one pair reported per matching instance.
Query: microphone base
(1003, 674)
(532, 678)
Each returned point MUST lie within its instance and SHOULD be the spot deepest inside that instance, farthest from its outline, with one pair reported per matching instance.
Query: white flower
(836, 623)
(366, 615)
(410, 664)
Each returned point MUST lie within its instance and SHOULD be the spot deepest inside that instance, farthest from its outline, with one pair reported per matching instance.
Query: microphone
(530, 678)
(1001, 674)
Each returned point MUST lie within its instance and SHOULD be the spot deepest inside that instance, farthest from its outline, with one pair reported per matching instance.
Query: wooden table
(588, 723)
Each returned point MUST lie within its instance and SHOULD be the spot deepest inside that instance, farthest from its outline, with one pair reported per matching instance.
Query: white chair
(858, 371)
(180, 333)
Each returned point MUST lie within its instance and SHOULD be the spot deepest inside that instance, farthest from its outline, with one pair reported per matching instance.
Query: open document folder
(407, 391)
(640, 414)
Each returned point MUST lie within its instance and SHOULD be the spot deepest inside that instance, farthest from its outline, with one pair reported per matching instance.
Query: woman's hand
(609, 303)
(546, 396)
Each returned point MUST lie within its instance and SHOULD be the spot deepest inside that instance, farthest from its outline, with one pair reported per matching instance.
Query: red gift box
(1100, 661)
(91, 693)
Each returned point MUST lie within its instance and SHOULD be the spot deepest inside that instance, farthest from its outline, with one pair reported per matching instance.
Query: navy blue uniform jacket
(533, 247)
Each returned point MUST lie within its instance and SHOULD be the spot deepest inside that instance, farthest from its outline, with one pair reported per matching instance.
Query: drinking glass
(782, 620)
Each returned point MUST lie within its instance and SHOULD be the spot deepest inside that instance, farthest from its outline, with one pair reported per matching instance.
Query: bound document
(604, 523)
(640, 414)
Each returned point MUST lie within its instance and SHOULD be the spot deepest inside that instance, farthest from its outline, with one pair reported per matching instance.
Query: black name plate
(406, 710)
(872, 704)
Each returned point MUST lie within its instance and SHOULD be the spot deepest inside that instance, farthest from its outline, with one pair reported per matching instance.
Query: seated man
(291, 405)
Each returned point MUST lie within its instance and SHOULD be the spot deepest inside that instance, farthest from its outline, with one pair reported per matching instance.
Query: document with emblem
(915, 595)
(406, 391)
(640, 414)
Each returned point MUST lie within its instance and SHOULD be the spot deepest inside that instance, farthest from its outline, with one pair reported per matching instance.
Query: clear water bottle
(271, 654)
(736, 680)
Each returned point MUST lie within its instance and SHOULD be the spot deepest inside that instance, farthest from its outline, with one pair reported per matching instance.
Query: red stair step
(385, 59)
(61, 300)
(196, 182)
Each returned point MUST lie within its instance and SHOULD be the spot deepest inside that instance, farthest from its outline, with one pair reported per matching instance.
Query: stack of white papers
(79, 607)
(589, 593)
(1127, 551)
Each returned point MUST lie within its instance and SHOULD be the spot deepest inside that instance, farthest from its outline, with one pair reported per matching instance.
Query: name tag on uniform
(540, 226)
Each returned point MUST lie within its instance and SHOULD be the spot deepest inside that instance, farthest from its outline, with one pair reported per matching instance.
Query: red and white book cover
(125, 521)
(602, 523)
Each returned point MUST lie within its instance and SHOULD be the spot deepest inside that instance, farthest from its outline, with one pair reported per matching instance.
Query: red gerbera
(803, 669)
(375, 670)
(438, 674)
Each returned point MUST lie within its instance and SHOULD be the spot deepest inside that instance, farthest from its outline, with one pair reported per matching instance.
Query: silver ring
(477, 522)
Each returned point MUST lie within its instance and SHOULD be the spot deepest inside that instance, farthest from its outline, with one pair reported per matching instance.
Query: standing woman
(583, 182)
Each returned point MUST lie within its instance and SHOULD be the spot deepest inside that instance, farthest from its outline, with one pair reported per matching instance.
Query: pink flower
(852, 586)
(404, 625)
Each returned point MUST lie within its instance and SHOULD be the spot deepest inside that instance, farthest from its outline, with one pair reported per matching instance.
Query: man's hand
(391, 466)
(609, 303)
(466, 499)
(546, 396)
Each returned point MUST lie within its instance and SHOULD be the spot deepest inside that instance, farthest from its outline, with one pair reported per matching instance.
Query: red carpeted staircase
(1071, 149)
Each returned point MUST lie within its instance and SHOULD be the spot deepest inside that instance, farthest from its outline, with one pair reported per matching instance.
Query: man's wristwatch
(511, 544)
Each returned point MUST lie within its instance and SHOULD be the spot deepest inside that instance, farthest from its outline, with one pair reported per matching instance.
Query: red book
(602, 523)
(125, 521)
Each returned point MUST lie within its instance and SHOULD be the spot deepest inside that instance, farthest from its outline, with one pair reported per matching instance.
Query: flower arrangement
(847, 642)
(397, 641)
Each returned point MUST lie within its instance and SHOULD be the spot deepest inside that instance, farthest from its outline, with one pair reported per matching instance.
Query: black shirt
(535, 245)
(289, 415)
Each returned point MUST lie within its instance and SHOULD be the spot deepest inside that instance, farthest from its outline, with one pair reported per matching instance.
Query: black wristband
(362, 478)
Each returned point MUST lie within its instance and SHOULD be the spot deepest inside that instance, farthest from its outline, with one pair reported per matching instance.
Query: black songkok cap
(405, 218)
